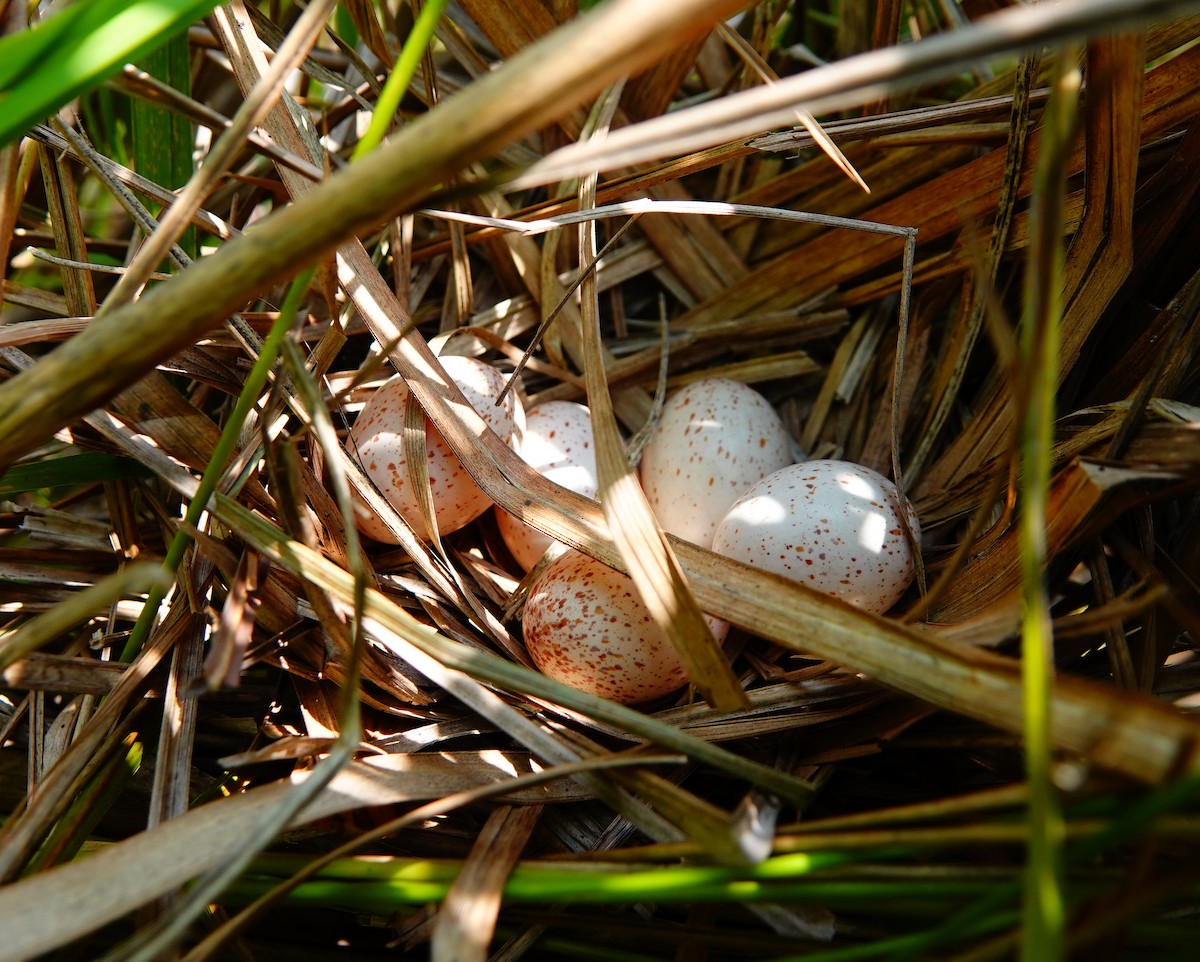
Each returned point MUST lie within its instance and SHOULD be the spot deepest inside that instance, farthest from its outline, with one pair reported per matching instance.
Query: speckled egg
(557, 441)
(832, 525)
(585, 626)
(377, 441)
(716, 437)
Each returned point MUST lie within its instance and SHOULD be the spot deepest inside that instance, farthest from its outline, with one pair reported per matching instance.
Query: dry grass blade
(807, 120)
(957, 355)
(646, 554)
(466, 921)
(848, 83)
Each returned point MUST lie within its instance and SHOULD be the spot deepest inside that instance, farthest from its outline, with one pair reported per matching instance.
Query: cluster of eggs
(720, 470)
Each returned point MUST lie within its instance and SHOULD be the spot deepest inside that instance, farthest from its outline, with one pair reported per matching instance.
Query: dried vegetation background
(856, 784)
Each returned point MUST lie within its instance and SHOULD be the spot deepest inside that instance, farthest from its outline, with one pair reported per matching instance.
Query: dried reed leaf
(993, 576)
(172, 794)
(466, 921)
(1101, 254)
(657, 578)
(957, 352)
(235, 626)
(62, 673)
(62, 198)
(807, 120)
(843, 84)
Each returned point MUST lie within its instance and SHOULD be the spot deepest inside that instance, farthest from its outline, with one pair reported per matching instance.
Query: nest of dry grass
(205, 755)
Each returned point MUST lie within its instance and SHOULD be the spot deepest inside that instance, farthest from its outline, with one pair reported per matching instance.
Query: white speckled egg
(557, 442)
(716, 437)
(377, 441)
(586, 627)
(833, 525)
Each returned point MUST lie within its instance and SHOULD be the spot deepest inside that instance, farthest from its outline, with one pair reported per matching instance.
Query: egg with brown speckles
(586, 627)
(377, 442)
(558, 443)
(832, 525)
(716, 437)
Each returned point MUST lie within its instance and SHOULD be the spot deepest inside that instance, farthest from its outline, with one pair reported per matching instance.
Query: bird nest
(948, 246)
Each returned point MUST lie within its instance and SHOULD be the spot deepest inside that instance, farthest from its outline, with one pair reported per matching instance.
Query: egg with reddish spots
(557, 442)
(832, 525)
(716, 437)
(377, 443)
(586, 627)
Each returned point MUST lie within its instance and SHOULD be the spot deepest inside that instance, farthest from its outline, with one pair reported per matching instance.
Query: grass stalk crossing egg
(586, 627)
(557, 442)
(716, 437)
(832, 525)
(377, 442)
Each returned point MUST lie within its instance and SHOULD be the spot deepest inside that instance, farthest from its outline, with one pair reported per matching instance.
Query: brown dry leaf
(235, 625)
(466, 921)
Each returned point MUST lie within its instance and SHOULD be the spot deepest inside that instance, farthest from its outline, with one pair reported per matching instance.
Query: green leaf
(85, 468)
(75, 50)
(162, 140)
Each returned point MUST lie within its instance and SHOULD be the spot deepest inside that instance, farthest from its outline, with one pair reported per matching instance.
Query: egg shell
(832, 525)
(377, 441)
(716, 437)
(586, 627)
(557, 442)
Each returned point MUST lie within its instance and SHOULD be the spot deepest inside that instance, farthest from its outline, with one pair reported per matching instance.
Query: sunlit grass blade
(77, 48)
(64, 616)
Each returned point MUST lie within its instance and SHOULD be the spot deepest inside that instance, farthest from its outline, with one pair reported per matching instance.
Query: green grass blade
(75, 50)
(87, 468)
(1044, 916)
(397, 82)
(162, 140)
(541, 886)
(252, 388)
